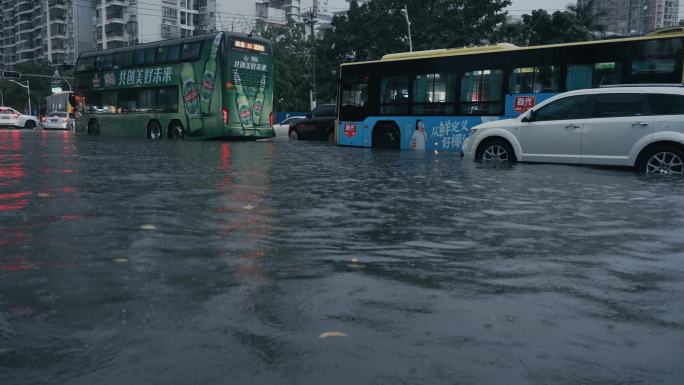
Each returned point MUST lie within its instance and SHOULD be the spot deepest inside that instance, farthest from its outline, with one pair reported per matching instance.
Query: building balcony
(116, 20)
(120, 38)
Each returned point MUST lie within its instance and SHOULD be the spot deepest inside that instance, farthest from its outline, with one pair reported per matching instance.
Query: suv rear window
(616, 105)
(666, 104)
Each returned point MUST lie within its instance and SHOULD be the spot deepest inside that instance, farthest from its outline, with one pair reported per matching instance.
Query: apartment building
(52, 30)
(635, 16)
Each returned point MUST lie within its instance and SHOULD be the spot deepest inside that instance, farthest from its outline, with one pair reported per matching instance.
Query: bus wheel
(154, 130)
(93, 127)
(176, 131)
(386, 137)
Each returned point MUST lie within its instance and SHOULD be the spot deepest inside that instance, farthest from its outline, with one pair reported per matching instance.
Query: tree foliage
(291, 52)
(578, 23)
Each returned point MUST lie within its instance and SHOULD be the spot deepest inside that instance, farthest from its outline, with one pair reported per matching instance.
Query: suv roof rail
(643, 85)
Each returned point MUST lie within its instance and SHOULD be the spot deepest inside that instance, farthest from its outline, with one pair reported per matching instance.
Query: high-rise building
(52, 30)
(634, 16)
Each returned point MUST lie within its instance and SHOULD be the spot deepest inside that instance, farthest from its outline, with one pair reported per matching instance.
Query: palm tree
(588, 14)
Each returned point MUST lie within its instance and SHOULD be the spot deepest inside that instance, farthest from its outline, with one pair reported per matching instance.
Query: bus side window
(162, 55)
(481, 92)
(139, 57)
(174, 53)
(149, 56)
(592, 75)
(118, 60)
(127, 59)
(107, 62)
(195, 49)
(654, 69)
(394, 95)
(185, 51)
(534, 80)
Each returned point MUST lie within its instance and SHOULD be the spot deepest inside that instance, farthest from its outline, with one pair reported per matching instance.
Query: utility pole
(28, 88)
(312, 22)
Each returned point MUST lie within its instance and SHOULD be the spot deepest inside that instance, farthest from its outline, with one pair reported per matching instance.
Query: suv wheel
(293, 135)
(664, 160)
(496, 151)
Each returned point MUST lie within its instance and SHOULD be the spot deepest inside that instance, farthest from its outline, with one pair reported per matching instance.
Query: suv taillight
(225, 116)
(270, 119)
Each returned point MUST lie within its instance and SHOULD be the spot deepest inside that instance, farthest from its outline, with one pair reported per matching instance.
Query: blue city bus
(431, 99)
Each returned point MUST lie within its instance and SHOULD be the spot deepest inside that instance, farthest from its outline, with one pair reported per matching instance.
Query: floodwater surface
(143, 262)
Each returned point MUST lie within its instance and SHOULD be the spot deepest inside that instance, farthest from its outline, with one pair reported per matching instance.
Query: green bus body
(214, 86)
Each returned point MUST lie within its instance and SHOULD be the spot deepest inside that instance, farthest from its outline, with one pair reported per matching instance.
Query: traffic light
(11, 75)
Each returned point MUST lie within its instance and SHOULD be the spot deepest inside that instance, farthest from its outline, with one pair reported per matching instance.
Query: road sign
(11, 75)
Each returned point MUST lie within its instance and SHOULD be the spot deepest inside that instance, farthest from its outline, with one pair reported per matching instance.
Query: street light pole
(28, 88)
(404, 12)
(2, 98)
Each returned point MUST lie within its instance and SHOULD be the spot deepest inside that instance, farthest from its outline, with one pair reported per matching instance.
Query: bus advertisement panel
(181, 88)
(430, 100)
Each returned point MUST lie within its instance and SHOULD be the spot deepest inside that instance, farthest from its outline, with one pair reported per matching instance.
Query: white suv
(640, 126)
(9, 117)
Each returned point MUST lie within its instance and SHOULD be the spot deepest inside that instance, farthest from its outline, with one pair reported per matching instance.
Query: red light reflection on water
(11, 171)
(20, 264)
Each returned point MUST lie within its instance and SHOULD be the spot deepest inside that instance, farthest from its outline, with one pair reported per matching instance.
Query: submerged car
(57, 120)
(281, 129)
(9, 117)
(635, 126)
(318, 125)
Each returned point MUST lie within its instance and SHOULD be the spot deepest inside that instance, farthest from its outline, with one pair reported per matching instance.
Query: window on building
(183, 19)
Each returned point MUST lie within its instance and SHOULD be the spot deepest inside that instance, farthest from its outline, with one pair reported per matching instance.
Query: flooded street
(139, 262)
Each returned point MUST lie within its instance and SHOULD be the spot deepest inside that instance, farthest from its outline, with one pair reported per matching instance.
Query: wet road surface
(136, 262)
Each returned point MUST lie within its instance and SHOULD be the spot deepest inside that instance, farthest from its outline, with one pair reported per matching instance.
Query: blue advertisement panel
(444, 133)
(428, 133)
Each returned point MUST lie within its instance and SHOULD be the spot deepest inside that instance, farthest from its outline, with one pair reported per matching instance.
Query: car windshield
(57, 114)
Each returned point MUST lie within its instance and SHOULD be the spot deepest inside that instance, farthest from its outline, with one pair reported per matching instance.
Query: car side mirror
(530, 116)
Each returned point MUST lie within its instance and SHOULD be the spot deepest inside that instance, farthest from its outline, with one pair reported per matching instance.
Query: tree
(578, 23)
(292, 67)
(588, 15)
(540, 28)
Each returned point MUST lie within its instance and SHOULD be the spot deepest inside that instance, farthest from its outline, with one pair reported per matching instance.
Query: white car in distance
(57, 120)
(281, 129)
(9, 117)
(636, 126)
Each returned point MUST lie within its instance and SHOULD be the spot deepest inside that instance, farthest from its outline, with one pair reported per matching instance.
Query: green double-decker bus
(214, 86)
